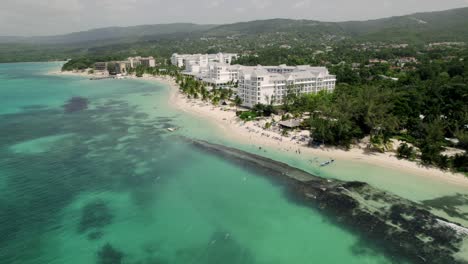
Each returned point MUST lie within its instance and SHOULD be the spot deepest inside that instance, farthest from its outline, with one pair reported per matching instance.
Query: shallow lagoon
(112, 175)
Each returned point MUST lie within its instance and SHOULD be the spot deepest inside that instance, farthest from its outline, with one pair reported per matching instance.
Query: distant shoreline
(234, 129)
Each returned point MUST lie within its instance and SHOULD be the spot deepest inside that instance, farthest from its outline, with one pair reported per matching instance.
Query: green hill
(134, 33)
(450, 25)
(163, 39)
(275, 26)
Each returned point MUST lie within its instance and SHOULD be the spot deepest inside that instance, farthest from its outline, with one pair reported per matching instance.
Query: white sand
(233, 128)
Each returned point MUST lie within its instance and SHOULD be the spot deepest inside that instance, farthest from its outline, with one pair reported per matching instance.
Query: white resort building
(221, 74)
(270, 84)
(214, 69)
(191, 62)
(256, 84)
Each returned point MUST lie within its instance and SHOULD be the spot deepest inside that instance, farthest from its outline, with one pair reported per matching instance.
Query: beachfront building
(213, 69)
(123, 67)
(100, 66)
(177, 60)
(198, 62)
(221, 74)
(148, 62)
(270, 84)
(216, 74)
(120, 67)
(134, 62)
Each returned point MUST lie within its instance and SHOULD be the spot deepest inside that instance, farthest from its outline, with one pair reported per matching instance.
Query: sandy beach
(248, 133)
(252, 133)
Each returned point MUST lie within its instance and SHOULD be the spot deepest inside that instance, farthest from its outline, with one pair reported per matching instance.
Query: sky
(51, 17)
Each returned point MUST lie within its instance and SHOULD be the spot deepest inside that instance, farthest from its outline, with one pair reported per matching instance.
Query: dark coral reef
(402, 229)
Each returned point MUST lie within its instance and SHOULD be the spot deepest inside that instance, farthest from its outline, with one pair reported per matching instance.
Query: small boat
(323, 164)
(172, 129)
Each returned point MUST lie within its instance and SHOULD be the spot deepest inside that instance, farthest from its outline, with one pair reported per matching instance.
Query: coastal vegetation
(83, 63)
(198, 90)
(426, 108)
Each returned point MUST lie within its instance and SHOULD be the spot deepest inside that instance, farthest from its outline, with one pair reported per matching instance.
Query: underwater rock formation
(222, 248)
(75, 104)
(109, 255)
(94, 215)
(95, 235)
(399, 227)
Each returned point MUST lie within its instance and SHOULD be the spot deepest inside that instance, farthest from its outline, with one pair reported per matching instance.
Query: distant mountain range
(450, 25)
(111, 33)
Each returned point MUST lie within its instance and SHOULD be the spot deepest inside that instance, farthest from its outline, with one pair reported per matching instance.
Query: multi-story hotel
(197, 62)
(214, 69)
(258, 84)
(270, 84)
(148, 62)
(100, 66)
(133, 62)
(221, 74)
(122, 67)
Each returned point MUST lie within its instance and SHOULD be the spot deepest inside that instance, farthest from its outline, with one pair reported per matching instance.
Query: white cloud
(261, 4)
(387, 4)
(242, 10)
(301, 4)
(214, 3)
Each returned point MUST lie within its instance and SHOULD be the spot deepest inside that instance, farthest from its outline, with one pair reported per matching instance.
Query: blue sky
(49, 17)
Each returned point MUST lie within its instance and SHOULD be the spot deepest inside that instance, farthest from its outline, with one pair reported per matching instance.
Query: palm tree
(237, 101)
(215, 100)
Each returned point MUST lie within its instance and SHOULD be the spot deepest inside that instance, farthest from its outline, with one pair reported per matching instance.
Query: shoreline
(249, 134)
(362, 207)
(233, 129)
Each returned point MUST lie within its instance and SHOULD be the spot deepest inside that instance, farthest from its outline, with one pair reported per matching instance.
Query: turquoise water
(109, 184)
